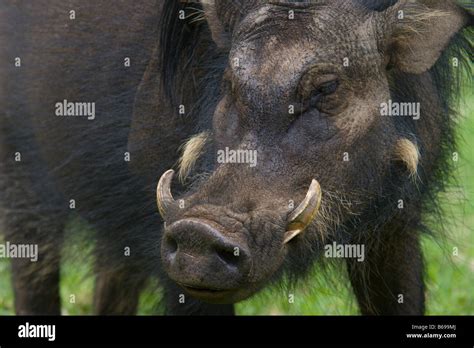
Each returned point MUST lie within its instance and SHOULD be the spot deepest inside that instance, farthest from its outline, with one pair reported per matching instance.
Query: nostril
(229, 256)
(170, 244)
(196, 250)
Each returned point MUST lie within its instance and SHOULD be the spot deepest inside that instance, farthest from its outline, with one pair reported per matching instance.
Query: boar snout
(208, 263)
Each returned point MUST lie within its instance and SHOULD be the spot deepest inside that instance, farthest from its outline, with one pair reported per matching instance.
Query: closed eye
(321, 91)
(329, 87)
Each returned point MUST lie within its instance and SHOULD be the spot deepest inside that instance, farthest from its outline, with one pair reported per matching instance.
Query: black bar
(242, 330)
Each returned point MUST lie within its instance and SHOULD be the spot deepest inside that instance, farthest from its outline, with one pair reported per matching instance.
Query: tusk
(302, 216)
(164, 198)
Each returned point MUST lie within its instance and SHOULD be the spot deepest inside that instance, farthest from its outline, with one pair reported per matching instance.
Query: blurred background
(449, 271)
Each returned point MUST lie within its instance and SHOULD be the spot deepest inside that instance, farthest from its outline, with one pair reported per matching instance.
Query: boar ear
(218, 31)
(421, 30)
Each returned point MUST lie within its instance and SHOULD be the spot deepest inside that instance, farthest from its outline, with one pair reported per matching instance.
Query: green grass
(450, 278)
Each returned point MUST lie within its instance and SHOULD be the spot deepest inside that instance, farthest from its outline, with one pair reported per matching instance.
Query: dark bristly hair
(377, 5)
(178, 42)
(178, 45)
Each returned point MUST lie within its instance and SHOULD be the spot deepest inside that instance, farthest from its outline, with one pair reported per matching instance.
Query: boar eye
(329, 87)
(324, 89)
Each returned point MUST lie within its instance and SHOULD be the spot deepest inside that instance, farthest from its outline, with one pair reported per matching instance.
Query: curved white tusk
(302, 216)
(164, 198)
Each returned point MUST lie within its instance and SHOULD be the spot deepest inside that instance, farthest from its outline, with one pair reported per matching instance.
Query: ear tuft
(407, 152)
